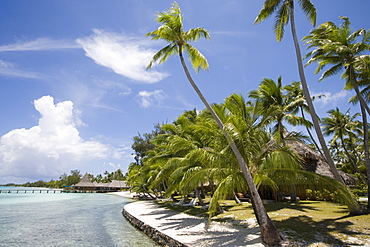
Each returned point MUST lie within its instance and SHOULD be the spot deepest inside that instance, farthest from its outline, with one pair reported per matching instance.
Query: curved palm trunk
(310, 134)
(354, 208)
(357, 90)
(365, 127)
(307, 95)
(269, 232)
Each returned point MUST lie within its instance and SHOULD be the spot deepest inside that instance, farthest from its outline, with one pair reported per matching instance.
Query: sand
(191, 230)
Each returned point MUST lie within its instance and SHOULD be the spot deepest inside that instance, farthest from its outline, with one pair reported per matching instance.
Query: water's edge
(151, 232)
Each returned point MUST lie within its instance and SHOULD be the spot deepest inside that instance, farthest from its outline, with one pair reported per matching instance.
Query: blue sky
(73, 84)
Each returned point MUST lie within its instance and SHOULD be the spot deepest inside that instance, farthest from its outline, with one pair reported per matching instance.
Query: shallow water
(65, 219)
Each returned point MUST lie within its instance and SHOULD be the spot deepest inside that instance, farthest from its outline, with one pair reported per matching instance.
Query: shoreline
(172, 228)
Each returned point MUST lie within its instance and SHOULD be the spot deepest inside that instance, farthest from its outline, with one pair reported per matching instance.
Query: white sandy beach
(191, 230)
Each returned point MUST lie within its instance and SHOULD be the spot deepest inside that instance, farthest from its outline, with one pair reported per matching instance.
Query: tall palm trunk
(354, 208)
(354, 83)
(365, 127)
(307, 95)
(269, 232)
(310, 134)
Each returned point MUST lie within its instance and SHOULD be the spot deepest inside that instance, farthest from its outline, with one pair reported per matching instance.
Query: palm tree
(284, 12)
(295, 93)
(172, 32)
(362, 69)
(343, 49)
(343, 125)
(276, 107)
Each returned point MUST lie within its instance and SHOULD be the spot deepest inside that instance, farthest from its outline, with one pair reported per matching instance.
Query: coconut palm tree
(342, 126)
(362, 69)
(284, 10)
(343, 49)
(172, 31)
(295, 93)
(276, 107)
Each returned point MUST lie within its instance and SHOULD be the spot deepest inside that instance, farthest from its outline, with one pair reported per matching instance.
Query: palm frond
(281, 20)
(196, 58)
(309, 10)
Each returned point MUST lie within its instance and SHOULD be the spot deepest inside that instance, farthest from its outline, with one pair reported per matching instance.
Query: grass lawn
(310, 223)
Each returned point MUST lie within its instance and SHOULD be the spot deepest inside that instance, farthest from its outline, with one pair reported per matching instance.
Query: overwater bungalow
(85, 185)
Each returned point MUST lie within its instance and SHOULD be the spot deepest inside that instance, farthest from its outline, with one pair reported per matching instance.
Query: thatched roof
(315, 162)
(304, 150)
(85, 182)
(118, 184)
(101, 185)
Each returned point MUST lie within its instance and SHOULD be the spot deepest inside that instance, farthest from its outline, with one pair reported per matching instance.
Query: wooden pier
(30, 191)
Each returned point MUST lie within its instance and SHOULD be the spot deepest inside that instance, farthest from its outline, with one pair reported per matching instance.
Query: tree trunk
(237, 200)
(198, 195)
(307, 95)
(366, 151)
(354, 207)
(365, 125)
(310, 134)
(269, 232)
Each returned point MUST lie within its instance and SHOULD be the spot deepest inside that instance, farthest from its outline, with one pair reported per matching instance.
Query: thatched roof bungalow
(315, 162)
(86, 185)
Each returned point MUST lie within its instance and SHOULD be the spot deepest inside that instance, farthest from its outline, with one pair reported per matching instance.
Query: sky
(74, 90)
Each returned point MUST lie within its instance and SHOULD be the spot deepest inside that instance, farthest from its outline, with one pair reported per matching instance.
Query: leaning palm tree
(276, 107)
(284, 12)
(343, 49)
(172, 32)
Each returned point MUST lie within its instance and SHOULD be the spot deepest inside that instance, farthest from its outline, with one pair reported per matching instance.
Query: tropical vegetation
(74, 177)
(247, 146)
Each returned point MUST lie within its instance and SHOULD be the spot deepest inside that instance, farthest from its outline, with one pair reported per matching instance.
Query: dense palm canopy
(344, 50)
(172, 32)
(284, 10)
(345, 130)
(277, 107)
(227, 146)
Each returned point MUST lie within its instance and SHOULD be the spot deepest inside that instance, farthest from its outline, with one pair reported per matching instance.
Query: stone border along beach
(174, 229)
(171, 228)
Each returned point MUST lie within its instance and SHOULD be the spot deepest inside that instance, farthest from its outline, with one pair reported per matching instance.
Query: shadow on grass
(304, 228)
(307, 222)
(316, 222)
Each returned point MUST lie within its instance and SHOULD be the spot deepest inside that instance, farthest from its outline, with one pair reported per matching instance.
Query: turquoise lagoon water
(65, 219)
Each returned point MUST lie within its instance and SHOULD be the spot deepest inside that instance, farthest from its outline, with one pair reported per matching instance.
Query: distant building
(86, 185)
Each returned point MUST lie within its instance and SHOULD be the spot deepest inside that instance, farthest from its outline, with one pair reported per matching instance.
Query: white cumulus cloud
(124, 55)
(51, 148)
(147, 99)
